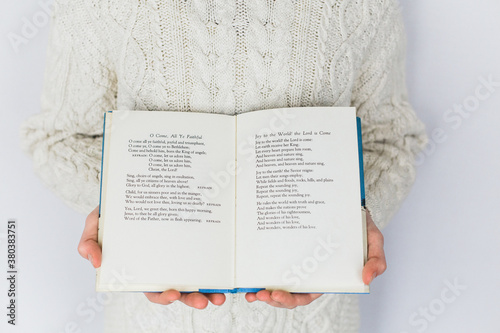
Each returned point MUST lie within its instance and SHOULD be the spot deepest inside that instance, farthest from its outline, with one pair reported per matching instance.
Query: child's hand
(90, 249)
(374, 266)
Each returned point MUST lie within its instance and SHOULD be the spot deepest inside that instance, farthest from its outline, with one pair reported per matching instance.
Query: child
(228, 57)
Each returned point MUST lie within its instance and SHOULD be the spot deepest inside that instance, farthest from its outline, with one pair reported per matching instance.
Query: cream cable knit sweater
(228, 57)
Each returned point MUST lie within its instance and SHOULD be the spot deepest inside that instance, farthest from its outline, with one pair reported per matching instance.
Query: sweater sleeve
(392, 133)
(64, 140)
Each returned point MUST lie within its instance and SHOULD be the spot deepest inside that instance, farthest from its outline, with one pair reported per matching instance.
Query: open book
(269, 199)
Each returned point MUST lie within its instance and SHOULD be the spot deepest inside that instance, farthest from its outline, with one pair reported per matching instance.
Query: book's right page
(299, 223)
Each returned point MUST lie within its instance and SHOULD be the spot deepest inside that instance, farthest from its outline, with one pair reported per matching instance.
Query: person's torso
(237, 56)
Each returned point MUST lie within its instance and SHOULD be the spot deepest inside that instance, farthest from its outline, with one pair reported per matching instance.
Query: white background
(447, 231)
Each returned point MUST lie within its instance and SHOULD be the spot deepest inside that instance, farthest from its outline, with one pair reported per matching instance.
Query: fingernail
(89, 257)
(374, 275)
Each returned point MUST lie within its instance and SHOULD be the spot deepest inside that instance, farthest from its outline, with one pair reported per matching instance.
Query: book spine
(102, 160)
(231, 291)
(360, 153)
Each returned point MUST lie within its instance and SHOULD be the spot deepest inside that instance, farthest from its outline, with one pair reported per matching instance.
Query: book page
(168, 201)
(299, 224)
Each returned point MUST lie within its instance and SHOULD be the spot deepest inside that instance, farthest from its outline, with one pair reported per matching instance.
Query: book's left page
(167, 201)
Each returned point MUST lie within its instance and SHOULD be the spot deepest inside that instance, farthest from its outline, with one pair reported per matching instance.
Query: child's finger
(164, 298)
(376, 263)
(292, 300)
(251, 297)
(91, 251)
(216, 298)
(195, 300)
(265, 296)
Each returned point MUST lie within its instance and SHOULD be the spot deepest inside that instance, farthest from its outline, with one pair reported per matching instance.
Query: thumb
(88, 246)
